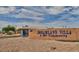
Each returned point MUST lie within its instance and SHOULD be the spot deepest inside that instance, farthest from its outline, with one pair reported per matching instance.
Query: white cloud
(24, 13)
(20, 24)
(37, 13)
(61, 24)
(3, 24)
(75, 12)
(55, 10)
(31, 24)
(4, 10)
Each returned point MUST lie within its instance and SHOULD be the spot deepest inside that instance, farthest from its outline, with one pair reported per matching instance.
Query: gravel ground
(20, 44)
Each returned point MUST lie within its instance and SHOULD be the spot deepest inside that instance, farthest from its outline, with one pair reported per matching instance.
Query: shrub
(8, 29)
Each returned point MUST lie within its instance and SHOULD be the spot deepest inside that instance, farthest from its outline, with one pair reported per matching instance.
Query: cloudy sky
(40, 16)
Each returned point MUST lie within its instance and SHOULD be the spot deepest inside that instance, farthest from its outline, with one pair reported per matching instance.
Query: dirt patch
(20, 44)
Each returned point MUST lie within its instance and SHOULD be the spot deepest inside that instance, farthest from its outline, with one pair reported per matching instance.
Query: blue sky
(40, 16)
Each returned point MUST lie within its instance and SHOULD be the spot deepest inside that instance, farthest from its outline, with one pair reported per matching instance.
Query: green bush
(8, 28)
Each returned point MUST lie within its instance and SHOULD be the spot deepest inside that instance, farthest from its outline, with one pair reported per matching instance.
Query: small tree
(8, 28)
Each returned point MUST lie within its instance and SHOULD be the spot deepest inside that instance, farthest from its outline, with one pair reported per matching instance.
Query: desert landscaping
(24, 44)
(47, 40)
(39, 29)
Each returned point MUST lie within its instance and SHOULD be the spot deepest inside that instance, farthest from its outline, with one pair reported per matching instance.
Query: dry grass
(19, 44)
